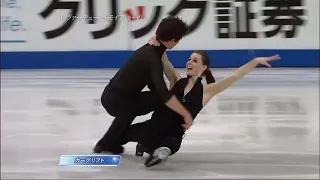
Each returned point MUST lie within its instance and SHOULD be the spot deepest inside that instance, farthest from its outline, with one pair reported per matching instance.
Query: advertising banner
(44, 31)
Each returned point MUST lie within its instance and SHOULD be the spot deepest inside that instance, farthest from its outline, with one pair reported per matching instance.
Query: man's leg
(129, 108)
(109, 142)
(135, 133)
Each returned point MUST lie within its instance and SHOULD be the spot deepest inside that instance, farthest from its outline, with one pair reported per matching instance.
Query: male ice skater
(122, 97)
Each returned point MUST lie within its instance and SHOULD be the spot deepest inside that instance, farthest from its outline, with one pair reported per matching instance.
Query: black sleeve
(157, 80)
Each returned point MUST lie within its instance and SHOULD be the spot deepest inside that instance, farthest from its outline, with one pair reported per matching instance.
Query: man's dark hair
(171, 28)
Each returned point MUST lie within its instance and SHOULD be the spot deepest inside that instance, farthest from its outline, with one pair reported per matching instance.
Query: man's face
(172, 44)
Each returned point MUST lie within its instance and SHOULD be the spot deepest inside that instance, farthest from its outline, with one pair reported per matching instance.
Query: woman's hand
(153, 41)
(265, 60)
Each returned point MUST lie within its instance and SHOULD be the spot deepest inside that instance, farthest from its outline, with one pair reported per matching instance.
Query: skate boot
(139, 150)
(158, 156)
(114, 150)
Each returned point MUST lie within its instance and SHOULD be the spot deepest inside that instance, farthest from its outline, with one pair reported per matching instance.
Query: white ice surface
(46, 114)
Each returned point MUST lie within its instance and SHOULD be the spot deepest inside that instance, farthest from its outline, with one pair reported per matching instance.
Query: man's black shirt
(144, 68)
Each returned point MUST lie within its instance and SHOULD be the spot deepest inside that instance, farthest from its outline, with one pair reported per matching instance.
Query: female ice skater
(161, 136)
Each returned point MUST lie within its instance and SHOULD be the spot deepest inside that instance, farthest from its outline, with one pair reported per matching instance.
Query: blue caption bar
(90, 160)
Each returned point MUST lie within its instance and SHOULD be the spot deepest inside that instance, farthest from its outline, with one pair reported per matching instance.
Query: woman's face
(195, 66)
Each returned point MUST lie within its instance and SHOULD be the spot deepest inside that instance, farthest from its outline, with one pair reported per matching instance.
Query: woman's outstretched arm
(212, 89)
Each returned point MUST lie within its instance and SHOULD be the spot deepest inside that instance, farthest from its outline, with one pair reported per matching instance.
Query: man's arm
(161, 89)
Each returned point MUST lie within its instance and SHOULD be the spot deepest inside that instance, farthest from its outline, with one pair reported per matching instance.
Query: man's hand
(188, 121)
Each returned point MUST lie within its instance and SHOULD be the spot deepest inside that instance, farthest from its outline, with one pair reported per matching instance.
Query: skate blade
(160, 155)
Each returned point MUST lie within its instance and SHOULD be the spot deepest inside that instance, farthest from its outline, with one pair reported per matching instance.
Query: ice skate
(139, 150)
(114, 150)
(159, 155)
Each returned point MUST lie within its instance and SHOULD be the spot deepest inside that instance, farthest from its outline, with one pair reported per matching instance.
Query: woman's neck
(193, 80)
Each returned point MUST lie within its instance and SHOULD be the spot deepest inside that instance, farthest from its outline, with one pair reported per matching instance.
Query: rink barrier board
(115, 59)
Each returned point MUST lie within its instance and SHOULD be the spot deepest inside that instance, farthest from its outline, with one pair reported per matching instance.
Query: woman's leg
(172, 143)
(167, 147)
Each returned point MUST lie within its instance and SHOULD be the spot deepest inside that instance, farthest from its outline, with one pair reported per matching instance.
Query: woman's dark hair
(171, 28)
(205, 61)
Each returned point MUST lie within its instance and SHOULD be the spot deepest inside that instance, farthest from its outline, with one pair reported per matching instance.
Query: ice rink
(265, 126)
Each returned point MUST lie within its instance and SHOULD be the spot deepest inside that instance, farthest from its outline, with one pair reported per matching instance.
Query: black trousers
(125, 108)
(153, 134)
